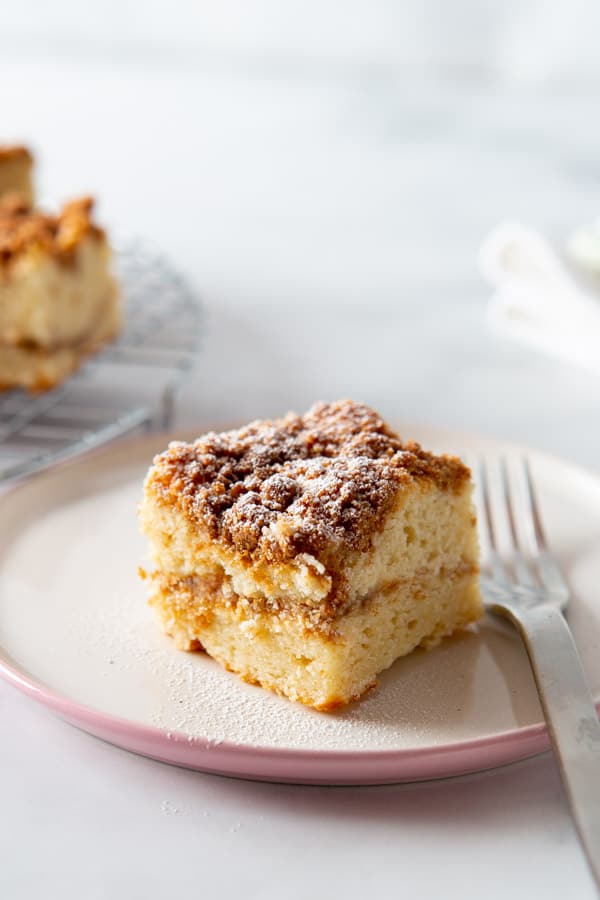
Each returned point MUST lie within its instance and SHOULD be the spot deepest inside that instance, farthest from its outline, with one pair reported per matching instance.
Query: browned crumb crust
(330, 706)
(14, 151)
(23, 229)
(319, 483)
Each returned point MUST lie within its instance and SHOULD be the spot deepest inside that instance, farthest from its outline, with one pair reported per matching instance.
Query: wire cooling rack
(129, 384)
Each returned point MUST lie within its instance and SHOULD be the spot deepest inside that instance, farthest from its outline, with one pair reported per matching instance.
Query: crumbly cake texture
(16, 167)
(58, 299)
(310, 552)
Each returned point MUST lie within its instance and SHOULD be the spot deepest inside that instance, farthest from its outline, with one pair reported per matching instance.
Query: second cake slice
(58, 299)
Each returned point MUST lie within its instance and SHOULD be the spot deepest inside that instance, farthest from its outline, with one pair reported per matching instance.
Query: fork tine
(534, 512)
(549, 571)
(499, 570)
(522, 570)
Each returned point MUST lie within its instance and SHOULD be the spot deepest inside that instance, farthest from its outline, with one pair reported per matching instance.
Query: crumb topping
(320, 484)
(15, 151)
(23, 229)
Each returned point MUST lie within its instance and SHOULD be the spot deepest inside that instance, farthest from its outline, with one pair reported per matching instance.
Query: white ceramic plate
(77, 635)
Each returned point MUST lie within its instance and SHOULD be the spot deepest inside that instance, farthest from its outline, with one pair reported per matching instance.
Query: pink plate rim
(285, 764)
(330, 767)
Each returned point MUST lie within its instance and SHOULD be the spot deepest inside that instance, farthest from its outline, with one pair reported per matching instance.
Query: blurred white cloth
(537, 299)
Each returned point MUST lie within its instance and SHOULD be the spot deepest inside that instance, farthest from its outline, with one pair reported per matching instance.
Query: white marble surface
(328, 200)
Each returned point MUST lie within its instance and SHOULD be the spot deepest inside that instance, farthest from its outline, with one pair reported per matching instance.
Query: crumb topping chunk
(23, 228)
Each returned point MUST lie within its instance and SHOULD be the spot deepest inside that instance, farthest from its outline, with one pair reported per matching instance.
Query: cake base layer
(332, 669)
(39, 369)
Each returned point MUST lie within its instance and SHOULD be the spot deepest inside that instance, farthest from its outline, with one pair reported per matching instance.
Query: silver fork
(529, 589)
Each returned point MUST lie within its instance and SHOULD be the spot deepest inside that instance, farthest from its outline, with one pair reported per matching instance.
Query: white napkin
(537, 299)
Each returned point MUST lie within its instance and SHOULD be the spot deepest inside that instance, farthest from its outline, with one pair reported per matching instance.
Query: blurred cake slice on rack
(63, 291)
(58, 299)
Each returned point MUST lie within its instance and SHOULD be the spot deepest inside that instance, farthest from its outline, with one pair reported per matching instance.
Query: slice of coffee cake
(58, 299)
(308, 553)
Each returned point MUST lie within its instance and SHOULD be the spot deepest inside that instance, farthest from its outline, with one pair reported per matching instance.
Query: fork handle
(570, 715)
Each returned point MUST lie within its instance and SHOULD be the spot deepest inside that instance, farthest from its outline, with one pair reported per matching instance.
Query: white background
(324, 173)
